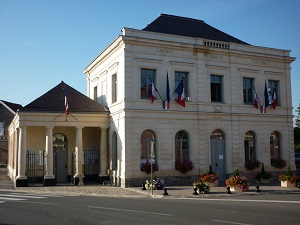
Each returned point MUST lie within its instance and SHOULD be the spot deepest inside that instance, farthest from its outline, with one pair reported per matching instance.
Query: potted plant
(210, 178)
(184, 165)
(252, 164)
(288, 179)
(263, 176)
(146, 167)
(201, 187)
(236, 182)
(158, 184)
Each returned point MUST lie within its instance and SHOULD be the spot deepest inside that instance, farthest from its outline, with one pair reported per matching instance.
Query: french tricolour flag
(180, 91)
(66, 106)
(153, 92)
(274, 100)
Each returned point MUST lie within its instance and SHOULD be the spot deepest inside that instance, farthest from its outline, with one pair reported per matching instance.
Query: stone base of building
(49, 182)
(21, 182)
(169, 181)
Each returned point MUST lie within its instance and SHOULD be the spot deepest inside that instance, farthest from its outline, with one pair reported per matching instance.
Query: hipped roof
(54, 101)
(176, 25)
(13, 106)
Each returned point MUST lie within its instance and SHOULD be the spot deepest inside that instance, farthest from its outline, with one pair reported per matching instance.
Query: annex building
(178, 90)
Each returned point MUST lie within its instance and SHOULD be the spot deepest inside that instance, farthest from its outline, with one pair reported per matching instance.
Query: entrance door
(218, 160)
(60, 148)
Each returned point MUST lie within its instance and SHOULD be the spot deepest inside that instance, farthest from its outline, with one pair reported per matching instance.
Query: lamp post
(151, 163)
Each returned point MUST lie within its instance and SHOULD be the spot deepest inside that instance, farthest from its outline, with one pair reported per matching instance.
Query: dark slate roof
(13, 106)
(54, 101)
(169, 24)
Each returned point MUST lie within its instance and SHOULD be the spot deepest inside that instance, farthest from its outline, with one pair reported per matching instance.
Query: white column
(22, 153)
(79, 155)
(103, 152)
(49, 153)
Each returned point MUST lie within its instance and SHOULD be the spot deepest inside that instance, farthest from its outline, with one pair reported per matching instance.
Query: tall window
(114, 163)
(274, 146)
(1, 128)
(184, 77)
(147, 76)
(114, 88)
(249, 145)
(216, 88)
(248, 90)
(95, 93)
(148, 146)
(181, 146)
(273, 86)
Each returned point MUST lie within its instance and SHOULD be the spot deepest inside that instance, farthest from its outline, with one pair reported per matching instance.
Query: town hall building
(177, 92)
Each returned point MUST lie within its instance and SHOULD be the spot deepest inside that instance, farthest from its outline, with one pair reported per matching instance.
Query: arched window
(59, 142)
(275, 146)
(114, 164)
(216, 134)
(249, 146)
(148, 146)
(181, 146)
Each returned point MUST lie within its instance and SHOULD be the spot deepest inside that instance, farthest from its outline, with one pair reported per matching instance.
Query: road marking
(12, 199)
(128, 210)
(25, 196)
(239, 200)
(222, 221)
(37, 194)
(22, 196)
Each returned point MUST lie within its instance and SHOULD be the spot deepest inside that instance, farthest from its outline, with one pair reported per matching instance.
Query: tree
(297, 129)
(297, 117)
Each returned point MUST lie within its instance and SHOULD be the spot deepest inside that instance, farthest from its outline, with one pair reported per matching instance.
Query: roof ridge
(182, 17)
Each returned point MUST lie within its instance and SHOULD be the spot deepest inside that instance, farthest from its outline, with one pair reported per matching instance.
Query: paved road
(239, 210)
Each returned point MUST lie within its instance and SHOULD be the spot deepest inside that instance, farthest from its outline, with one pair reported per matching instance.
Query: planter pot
(287, 184)
(234, 189)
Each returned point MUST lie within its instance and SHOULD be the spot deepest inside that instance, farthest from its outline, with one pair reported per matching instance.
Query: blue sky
(43, 42)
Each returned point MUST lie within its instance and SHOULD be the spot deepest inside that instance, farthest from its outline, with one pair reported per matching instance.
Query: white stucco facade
(131, 115)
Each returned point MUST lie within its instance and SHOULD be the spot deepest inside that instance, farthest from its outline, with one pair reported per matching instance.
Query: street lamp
(151, 163)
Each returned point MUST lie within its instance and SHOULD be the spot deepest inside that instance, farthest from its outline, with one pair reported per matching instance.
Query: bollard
(257, 188)
(195, 191)
(166, 191)
(228, 190)
(143, 187)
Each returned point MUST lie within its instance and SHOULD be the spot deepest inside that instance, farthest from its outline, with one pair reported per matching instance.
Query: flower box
(287, 184)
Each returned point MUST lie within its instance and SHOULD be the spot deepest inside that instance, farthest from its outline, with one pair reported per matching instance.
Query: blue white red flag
(180, 91)
(153, 92)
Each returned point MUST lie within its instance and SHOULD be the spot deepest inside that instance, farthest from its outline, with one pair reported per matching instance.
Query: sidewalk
(110, 191)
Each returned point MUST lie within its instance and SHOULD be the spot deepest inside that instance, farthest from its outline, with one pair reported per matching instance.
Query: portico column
(49, 179)
(103, 155)
(21, 179)
(79, 157)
